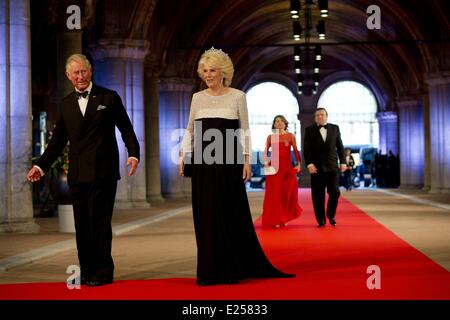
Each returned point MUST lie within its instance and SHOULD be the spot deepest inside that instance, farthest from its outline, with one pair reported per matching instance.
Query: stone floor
(161, 241)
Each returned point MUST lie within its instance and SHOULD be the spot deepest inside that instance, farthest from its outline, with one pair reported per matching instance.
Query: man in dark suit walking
(322, 147)
(87, 120)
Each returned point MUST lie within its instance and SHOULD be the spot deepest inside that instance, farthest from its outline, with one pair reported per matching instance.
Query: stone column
(68, 43)
(68, 37)
(118, 65)
(439, 95)
(388, 129)
(175, 95)
(427, 143)
(16, 206)
(152, 146)
(411, 143)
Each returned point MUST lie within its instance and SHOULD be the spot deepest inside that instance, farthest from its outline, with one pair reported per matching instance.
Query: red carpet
(330, 263)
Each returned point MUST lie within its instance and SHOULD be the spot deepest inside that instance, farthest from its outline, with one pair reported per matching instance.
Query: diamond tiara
(216, 51)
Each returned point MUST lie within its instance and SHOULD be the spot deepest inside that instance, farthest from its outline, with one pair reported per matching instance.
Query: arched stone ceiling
(183, 28)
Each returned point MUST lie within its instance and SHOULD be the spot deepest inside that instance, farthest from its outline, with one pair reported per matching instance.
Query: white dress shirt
(82, 102)
(323, 133)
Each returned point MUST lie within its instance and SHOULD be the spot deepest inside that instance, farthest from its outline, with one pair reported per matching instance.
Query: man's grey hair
(78, 57)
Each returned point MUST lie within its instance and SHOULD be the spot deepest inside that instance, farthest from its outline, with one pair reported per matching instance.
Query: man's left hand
(134, 164)
(343, 167)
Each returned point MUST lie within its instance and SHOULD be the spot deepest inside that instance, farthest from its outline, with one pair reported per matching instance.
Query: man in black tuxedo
(322, 147)
(88, 118)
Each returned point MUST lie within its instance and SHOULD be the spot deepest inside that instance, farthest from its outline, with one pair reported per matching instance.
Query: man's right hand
(312, 169)
(34, 175)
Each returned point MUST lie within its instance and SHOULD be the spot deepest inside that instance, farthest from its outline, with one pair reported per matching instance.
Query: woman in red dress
(281, 196)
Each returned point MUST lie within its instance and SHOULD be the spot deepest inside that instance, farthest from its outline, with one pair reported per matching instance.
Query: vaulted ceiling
(413, 39)
(258, 36)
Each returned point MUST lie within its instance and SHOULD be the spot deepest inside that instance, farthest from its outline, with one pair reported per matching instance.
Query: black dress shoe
(333, 222)
(321, 225)
(96, 282)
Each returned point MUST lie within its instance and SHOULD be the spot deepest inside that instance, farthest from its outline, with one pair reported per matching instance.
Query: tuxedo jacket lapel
(92, 104)
(331, 133)
(319, 135)
(328, 134)
(75, 112)
(78, 121)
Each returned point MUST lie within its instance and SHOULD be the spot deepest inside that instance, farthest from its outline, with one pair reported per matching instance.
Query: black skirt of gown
(228, 249)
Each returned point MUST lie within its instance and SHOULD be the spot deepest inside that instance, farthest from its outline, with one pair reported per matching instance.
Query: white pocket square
(101, 107)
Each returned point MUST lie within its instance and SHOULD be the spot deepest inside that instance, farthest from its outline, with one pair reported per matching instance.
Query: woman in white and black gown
(228, 249)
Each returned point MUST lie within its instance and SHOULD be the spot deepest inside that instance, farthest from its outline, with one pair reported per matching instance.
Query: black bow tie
(323, 126)
(83, 94)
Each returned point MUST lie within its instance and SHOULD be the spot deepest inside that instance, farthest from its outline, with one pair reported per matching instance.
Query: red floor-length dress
(281, 196)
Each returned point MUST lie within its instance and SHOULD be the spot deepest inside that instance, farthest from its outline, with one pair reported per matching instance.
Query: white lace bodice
(231, 105)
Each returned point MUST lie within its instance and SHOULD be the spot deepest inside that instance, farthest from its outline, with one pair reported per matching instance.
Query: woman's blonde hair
(218, 59)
